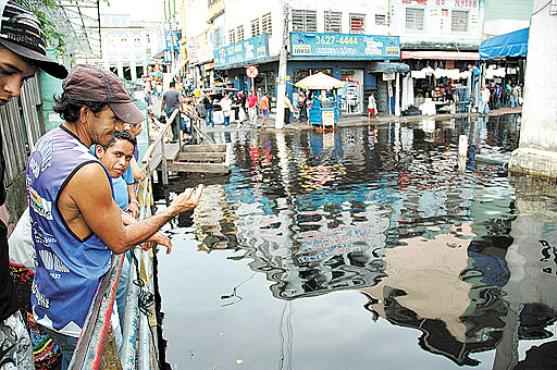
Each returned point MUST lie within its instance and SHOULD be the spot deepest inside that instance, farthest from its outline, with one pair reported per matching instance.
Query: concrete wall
(503, 16)
(537, 153)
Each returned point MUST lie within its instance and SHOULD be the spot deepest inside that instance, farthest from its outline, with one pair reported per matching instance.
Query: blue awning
(509, 45)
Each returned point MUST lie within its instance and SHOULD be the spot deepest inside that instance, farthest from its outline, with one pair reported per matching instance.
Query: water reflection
(466, 257)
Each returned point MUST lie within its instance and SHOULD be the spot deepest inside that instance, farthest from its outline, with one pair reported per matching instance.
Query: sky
(151, 10)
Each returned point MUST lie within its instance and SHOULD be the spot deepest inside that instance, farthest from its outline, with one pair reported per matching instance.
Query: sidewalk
(360, 120)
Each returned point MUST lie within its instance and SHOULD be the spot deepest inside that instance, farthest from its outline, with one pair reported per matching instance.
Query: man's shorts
(16, 351)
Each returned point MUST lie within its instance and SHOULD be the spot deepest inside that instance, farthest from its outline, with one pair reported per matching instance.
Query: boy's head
(117, 154)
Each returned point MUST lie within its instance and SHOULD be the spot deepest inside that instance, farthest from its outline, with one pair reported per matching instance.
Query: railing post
(164, 164)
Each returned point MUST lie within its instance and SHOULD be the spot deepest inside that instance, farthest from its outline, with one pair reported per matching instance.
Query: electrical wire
(542, 8)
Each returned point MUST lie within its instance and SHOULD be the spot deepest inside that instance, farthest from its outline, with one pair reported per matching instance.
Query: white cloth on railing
(22, 251)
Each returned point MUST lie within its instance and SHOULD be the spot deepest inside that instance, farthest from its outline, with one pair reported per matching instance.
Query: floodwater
(370, 248)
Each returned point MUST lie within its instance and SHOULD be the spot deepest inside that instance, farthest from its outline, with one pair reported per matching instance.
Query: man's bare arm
(90, 190)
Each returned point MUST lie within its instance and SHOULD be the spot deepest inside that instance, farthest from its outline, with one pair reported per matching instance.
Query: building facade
(129, 45)
(349, 40)
(345, 41)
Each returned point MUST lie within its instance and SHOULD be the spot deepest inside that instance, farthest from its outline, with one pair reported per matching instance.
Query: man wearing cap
(75, 222)
(22, 53)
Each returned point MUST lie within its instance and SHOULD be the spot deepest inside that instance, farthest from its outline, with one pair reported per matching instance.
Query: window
(304, 20)
(333, 21)
(414, 19)
(239, 33)
(232, 37)
(357, 23)
(267, 24)
(380, 19)
(255, 30)
(459, 21)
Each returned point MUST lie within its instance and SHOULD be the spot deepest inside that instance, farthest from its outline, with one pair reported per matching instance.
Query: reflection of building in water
(425, 289)
(532, 261)
(215, 221)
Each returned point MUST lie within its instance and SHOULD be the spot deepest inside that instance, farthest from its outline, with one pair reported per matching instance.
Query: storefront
(503, 60)
(347, 57)
(358, 81)
(438, 75)
(231, 62)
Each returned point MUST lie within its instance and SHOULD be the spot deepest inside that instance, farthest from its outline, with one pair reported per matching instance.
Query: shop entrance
(351, 96)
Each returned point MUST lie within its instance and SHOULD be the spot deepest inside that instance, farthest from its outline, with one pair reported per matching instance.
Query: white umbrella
(320, 81)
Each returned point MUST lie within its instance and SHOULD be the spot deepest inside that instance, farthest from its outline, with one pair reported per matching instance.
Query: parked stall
(325, 102)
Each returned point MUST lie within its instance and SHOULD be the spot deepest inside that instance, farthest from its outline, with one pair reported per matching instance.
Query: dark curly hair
(69, 108)
(121, 135)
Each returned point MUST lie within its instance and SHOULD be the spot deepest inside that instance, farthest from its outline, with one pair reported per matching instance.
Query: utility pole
(283, 60)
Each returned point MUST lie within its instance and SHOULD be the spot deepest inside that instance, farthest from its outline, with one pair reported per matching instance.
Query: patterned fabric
(16, 351)
(46, 354)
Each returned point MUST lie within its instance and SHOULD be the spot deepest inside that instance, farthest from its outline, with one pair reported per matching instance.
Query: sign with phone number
(344, 46)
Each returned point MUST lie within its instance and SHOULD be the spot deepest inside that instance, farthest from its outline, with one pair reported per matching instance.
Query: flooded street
(369, 248)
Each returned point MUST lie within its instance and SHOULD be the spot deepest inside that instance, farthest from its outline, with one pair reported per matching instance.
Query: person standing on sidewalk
(288, 109)
(22, 53)
(264, 107)
(170, 102)
(252, 108)
(371, 107)
(226, 106)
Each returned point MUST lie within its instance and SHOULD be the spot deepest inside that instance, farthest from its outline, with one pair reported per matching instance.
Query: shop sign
(328, 118)
(345, 46)
(243, 52)
(388, 76)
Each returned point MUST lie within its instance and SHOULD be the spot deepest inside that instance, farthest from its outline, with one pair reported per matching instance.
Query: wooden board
(201, 157)
(205, 148)
(193, 167)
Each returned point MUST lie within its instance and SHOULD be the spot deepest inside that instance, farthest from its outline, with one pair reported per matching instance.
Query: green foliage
(41, 8)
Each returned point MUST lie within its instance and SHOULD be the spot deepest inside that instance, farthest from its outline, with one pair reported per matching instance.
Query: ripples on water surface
(370, 248)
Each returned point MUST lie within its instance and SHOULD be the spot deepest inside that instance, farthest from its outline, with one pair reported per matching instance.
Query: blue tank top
(68, 269)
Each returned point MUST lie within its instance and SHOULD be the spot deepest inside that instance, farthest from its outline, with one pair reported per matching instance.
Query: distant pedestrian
(171, 102)
(288, 109)
(252, 108)
(485, 95)
(371, 107)
(206, 100)
(302, 107)
(226, 106)
(516, 96)
(264, 106)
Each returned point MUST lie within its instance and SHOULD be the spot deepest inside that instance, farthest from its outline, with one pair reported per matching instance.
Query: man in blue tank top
(76, 224)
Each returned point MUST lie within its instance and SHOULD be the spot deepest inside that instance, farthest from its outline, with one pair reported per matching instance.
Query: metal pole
(283, 60)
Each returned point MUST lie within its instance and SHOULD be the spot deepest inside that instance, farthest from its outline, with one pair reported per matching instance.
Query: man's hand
(186, 201)
(133, 208)
(158, 239)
